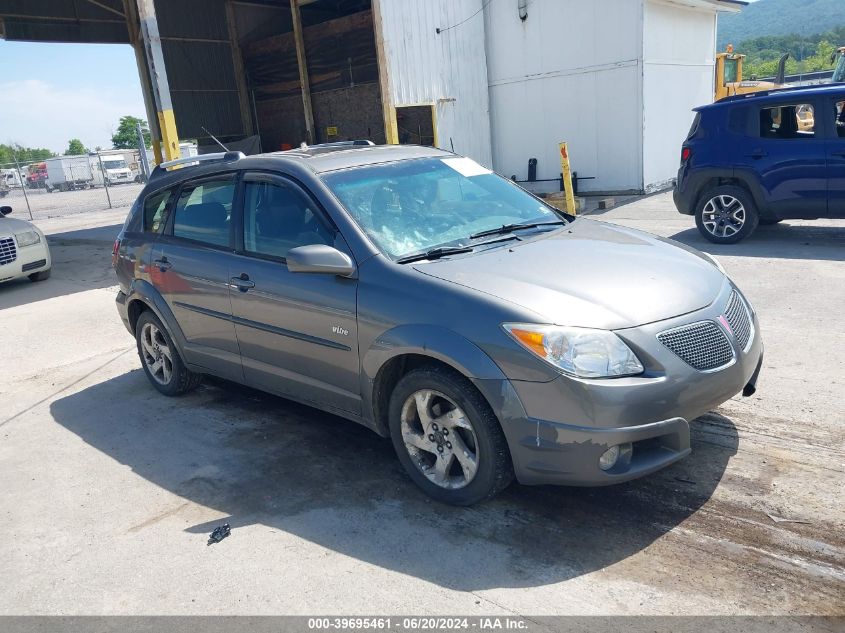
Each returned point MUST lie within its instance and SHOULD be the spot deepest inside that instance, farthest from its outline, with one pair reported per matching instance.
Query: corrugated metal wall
(447, 70)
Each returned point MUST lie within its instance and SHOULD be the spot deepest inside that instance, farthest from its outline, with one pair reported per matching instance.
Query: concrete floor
(110, 490)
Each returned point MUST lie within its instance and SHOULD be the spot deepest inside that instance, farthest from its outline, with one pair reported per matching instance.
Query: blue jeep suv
(762, 158)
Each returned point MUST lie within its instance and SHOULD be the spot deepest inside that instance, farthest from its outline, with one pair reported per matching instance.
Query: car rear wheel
(160, 358)
(726, 215)
(447, 437)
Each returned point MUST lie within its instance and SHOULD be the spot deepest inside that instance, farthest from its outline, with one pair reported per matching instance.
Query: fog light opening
(619, 455)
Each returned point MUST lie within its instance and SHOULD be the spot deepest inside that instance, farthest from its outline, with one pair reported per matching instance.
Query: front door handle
(162, 264)
(757, 153)
(242, 283)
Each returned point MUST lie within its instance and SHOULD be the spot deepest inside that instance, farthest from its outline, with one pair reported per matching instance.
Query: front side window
(840, 118)
(731, 70)
(156, 210)
(203, 211)
(788, 122)
(410, 206)
(277, 218)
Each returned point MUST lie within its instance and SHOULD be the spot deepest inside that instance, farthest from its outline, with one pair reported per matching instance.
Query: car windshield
(413, 206)
(114, 164)
(839, 71)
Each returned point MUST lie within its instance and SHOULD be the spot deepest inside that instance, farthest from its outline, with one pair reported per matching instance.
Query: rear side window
(156, 210)
(696, 122)
(788, 122)
(203, 211)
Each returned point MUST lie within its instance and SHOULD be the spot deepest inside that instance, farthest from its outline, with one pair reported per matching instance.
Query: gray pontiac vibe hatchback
(413, 291)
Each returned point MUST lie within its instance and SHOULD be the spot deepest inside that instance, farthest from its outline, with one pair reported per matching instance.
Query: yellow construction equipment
(838, 58)
(729, 81)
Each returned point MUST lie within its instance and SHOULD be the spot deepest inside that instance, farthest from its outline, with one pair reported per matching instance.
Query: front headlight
(27, 238)
(577, 351)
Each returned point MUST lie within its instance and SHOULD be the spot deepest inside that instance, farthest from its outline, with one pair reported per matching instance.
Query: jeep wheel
(160, 358)
(447, 437)
(726, 215)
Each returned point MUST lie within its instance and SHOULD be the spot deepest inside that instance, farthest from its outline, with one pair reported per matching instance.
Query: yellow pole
(567, 180)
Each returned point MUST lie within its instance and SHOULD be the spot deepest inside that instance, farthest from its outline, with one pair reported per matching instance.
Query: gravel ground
(110, 489)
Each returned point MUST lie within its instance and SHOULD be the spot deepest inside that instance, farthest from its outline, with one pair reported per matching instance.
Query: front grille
(8, 250)
(736, 314)
(701, 345)
(33, 265)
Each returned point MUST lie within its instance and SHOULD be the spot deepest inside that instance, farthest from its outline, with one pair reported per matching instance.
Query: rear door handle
(162, 264)
(757, 153)
(242, 283)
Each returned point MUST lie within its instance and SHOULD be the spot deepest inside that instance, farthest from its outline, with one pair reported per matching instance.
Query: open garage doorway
(339, 50)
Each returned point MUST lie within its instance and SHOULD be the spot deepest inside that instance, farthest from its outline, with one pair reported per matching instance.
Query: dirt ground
(110, 490)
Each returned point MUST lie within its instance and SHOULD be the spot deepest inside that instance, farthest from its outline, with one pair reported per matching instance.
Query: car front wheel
(447, 437)
(726, 215)
(160, 358)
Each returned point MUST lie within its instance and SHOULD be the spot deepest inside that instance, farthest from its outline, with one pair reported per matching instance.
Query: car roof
(317, 159)
(766, 96)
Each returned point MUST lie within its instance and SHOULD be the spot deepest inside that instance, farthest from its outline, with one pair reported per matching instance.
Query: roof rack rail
(193, 160)
(360, 142)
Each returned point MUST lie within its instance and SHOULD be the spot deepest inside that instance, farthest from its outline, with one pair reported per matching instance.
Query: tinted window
(156, 211)
(203, 211)
(278, 218)
(840, 118)
(788, 122)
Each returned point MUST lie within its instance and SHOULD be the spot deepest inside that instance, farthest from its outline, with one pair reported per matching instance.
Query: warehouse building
(502, 81)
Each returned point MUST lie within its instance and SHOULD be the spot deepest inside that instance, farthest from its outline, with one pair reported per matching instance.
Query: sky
(51, 93)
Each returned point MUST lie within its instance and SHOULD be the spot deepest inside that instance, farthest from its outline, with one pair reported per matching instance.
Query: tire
(455, 411)
(41, 275)
(769, 221)
(720, 220)
(155, 346)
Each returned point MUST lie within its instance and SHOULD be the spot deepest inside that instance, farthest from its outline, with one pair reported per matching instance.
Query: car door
(190, 268)
(835, 144)
(297, 332)
(788, 158)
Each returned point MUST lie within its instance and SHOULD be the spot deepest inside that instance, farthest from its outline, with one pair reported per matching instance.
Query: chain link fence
(68, 184)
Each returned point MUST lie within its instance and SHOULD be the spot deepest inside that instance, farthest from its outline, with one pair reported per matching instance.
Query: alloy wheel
(723, 216)
(440, 439)
(156, 354)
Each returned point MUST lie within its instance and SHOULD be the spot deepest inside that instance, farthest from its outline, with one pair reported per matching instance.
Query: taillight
(114, 251)
(686, 154)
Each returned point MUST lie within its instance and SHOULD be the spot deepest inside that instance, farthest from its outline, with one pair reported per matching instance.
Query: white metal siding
(678, 67)
(448, 70)
(570, 72)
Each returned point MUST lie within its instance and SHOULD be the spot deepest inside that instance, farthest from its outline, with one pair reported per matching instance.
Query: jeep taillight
(686, 154)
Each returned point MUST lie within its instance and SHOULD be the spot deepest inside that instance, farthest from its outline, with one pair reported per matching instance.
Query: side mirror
(5, 210)
(319, 258)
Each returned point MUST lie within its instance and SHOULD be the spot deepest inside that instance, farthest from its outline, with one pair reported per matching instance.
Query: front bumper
(569, 423)
(28, 260)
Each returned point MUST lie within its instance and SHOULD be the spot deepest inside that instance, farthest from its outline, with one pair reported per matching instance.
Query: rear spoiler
(219, 157)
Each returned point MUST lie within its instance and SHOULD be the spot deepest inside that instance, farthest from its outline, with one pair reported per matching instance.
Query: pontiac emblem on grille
(726, 325)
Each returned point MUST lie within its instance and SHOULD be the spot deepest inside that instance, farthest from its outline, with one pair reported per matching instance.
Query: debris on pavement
(219, 533)
(778, 519)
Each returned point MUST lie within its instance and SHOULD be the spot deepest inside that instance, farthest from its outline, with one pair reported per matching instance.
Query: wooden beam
(311, 34)
(240, 78)
(391, 127)
(303, 71)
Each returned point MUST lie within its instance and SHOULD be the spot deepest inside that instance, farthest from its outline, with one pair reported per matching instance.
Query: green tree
(25, 155)
(126, 136)
(75, 147)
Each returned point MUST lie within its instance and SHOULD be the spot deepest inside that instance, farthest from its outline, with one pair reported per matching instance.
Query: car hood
(8, 226)
(590, 274)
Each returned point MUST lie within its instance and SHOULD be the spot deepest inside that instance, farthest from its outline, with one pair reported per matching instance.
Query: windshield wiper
(435, 253)
(510, 228)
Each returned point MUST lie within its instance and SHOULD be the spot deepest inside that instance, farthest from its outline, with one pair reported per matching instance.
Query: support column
(391, 127)
(151, 41)
(303, 71)
(132, 25)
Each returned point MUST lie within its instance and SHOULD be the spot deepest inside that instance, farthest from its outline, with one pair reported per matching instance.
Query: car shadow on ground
(81, 260)
(264, 460)
(783, 240)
